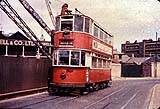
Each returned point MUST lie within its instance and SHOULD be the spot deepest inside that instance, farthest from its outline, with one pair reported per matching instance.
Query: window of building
(41, 52)
(15, 50)
(30, 50)
(2, 50)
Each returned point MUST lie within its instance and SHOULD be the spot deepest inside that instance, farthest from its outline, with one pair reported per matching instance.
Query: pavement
(132, 78)
(155, 99)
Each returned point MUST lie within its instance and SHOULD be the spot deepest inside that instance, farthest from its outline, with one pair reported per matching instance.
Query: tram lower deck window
(83, 58)
(74, 58)
(94, 62)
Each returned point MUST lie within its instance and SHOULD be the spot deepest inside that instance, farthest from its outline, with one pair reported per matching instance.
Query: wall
(155, 73)
(19, 74)
(146, 70)
(131, 70)
(116, 70)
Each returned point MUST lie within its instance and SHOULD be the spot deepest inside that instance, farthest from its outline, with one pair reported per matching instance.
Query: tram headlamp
(63, 76)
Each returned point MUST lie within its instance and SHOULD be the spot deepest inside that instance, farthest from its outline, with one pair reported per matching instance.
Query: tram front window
(66, 25)
(69, 57)
(63, 58)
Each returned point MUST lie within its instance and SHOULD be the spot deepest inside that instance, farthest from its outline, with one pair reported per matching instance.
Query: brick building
(146, 48)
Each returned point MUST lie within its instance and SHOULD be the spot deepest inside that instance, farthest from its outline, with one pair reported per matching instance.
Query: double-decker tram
(82, 55)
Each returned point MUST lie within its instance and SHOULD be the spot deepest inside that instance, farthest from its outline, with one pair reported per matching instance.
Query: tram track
(28, 101)
(109, 101)
(107, 96)
(59, 99)
(112, 98)
(41, 101)
(121, 95)
(52, 102)
(44, 99)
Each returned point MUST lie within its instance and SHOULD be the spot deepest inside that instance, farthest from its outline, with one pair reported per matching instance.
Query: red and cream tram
(82, 55)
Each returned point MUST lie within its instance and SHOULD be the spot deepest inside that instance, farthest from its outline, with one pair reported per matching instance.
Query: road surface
(123, 94)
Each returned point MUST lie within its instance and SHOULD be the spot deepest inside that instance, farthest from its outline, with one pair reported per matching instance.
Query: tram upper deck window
(63, 58)
(105, 38)
(66, 23)
(57, 23)
(94, 62)
(96, 31)
(78, 23)
(110, 40)
(87, 20)
(101, 35)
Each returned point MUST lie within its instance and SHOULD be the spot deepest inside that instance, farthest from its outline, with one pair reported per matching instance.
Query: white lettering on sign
(101, 47)
(20, 42)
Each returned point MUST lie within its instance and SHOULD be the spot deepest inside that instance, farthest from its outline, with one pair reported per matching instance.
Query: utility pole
(156, 57)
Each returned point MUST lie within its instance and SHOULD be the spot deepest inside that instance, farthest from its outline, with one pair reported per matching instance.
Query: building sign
(101, 47)
(20, 42)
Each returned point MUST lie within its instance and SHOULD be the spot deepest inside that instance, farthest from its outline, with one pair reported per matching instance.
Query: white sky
(127, 20)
